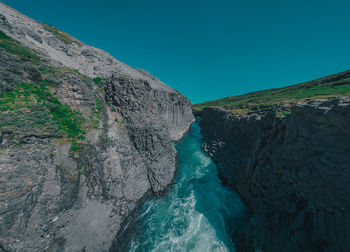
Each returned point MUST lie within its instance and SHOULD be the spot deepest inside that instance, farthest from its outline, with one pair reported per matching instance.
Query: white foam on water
(198, 236)
(191, 217)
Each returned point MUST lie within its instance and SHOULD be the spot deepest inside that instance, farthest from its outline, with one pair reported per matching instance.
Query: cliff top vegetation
(331, 86)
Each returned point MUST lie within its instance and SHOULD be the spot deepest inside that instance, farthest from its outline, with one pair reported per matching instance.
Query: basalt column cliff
(83, 137)
(292, 168)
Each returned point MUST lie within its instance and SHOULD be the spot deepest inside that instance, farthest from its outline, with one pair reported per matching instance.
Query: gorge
(98, 156)
(197, 214)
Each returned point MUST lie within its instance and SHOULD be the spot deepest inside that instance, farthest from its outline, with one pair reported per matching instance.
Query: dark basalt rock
(293, 172)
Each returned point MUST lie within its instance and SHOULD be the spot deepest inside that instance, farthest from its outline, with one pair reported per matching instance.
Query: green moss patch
(43, 108)
(98, 81)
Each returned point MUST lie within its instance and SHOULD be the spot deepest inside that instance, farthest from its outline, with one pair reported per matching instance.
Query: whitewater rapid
(198, 214)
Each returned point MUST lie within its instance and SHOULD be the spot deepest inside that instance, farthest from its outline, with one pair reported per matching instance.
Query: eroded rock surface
(55, 196)
(292, 171)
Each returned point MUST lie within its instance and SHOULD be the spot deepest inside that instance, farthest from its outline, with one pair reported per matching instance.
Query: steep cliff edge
(292, 168)
(83, 138)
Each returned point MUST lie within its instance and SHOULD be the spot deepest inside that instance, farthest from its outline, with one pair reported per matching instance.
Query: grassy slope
(15, 47)
(330, 86)
(32, 107)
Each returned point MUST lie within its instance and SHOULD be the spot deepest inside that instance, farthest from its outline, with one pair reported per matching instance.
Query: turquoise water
(198, 214)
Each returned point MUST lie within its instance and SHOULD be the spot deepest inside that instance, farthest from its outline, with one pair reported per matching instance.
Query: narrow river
(198, 214)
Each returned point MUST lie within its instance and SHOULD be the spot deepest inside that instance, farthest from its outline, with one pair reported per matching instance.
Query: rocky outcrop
(59, 194)
(60, 49)
(291, 168)
(168, 114)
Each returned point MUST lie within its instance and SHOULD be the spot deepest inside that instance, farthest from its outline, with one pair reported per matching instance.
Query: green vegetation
(31, 109)
(117, 121)
(68, 121)
(30, 99)
(22, 97)
(283, 113)
(76, 147)
(54, 71)
(61, 35)
(15, 47)
(77, 72)
(331, 86)
(98, 81)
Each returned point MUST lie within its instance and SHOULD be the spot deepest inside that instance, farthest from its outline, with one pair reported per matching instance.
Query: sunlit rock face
(293, 172)
(53, 198)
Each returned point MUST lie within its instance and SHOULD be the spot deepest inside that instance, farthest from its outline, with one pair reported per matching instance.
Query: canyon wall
(65, 193)
(292, 169)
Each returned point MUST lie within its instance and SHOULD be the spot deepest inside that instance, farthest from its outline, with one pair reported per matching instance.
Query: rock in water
(83, 138)
(293, 171)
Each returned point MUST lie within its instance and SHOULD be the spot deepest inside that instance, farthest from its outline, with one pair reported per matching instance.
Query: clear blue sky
(210, 49)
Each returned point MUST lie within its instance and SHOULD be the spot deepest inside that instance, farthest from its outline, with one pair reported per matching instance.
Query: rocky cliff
(83, 138)
(292, 168)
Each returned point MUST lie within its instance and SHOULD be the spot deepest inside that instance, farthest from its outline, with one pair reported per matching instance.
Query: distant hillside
(330, 86)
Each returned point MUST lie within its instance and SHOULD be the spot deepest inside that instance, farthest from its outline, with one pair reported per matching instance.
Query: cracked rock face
(293, 172)
(51, 199)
